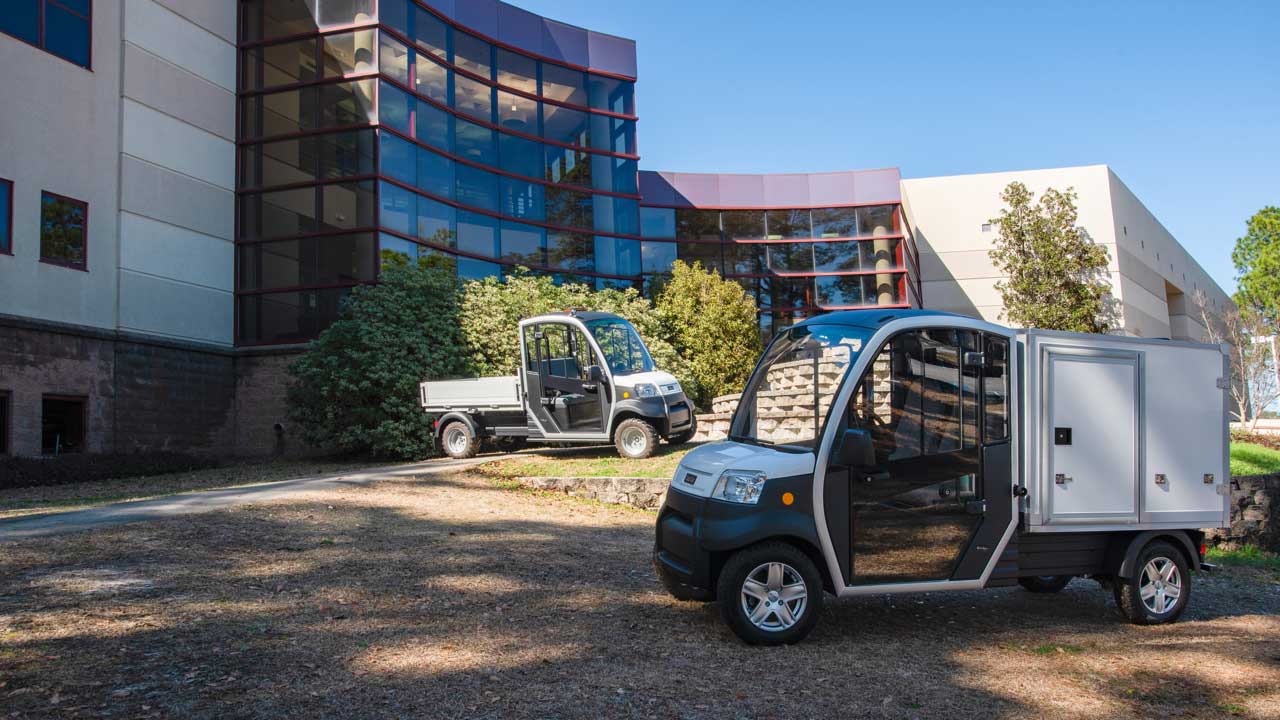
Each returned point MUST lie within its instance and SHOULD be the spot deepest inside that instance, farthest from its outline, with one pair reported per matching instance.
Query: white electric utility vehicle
(890, 451)
(585, 377)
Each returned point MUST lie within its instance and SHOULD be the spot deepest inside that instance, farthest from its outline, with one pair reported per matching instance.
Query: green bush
(492, 310)
(714, 326)
(355, 389)
(18, 472)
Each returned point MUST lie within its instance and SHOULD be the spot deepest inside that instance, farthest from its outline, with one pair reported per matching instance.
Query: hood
(701, 468)
(654, 377)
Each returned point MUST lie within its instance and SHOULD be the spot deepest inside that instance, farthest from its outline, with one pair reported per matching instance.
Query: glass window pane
(62, 230)
(790, 292)
(880, 254)
(473, 98)
(617, 215)
(435, 173)
(478, 234)
(611, 94)
(520, 156)
(523, 244)
(288, 317)
(292, 17)
(835, 222)
(940, 391)
(569, 208)
(568, 166)
(522, 199)
(704, 252)
(347, 104)
(475, 143)
(472, 269)
(287, 63)
(625, 175)
(395, 107)
(694, 224)
(617, 256)
(432, 126)
(517, 71)
(21, 19)
(349, 53)
(475, 187)
(395, 15)
(430, 33)
(345, 12)
(66, 35)
(517, 113)
(658, 222)
(836, 256)
(348, 206)
(306, 261)
(743, 224)
(784, 224)
(436, 222)
(565, 125)
(344, 154)
(898, 436)
(843, 290)
(398, 208)
(393, 59)
(561, 83)
(791, 257)
(278, 214)
(995, 389)
(399, 159)
(621, 136)
(392, 249)
(657, 257)
(970, 342)
(430, 79)
(877, 220)
(743, 258)
(570, 250)
(472, 54)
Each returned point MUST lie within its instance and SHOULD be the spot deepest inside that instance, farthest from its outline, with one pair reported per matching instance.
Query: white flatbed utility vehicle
(940, 452)
(585, 377)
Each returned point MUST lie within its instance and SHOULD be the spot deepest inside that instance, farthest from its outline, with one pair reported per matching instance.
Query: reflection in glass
(877, 220)
(568, 166)
(475, 143)
(785, 224)
(517, 113)
(611, 94)
(430, 33)
(307, 261)
(706, 253)
(657, 257)
(522, 199)
(523, 244)
(617, 256)
(432, 126)
(657, 222)
(436, 223)
(743, 224)
(477, 234)
(473, 98)
(692, 224)
(399, 158)
(517, 71)
(475, 187)
(565, 125)
(837, 256)
(835, 222)
(430, 79)
(350, 53)
(791, 257)
(435, 173)
(561, 83)
(571, 250)
(472, 54)
(520, 156)
(569, 208)
(393, 59)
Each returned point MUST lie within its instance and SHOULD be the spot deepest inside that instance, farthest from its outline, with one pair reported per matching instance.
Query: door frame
(829, 437)
(607, 413)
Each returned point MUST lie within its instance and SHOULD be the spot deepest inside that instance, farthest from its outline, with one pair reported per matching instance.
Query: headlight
(646, 390)
(740, 486)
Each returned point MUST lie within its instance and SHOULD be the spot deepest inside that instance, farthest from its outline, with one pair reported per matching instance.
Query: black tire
(685, 436)
(509, 444)
(458, 442)
(1152, 571)
(1045, 583)
(736, 604)
(625, 439)
(677, 589)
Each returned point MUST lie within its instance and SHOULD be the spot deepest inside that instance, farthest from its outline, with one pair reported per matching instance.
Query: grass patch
(1251, 459)
(595, 462)
(1247, 556)
(1053, 648)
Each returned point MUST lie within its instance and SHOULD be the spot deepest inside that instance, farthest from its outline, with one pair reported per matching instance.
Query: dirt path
(447, 597)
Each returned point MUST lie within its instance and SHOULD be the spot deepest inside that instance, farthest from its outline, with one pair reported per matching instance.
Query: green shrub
(18, 472)
(714, 326)
(492, 310)
(355, 389)
(1249, 459)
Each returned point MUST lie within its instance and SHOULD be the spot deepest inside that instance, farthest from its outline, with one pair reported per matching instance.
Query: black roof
(874, 318)
(585, 315)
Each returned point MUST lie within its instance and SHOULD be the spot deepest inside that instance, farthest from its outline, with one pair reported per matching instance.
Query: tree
(1254, 383)
(1257, 260)
(492, 310)
(1055, 275)
(714, 325)
(355, 389)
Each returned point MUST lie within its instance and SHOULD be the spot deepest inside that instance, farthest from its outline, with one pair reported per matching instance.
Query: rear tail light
(1203, 549)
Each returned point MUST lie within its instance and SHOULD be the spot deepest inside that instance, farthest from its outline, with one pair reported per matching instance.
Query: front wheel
(1160, 589)
(770, 594)
(458, 441)
(635, 439)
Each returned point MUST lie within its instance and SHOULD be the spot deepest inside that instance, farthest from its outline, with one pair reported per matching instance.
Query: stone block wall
(173, 399)
(262, 425)
(1255, 514)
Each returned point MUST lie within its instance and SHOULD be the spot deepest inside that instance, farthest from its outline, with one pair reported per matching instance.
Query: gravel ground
(450, 597)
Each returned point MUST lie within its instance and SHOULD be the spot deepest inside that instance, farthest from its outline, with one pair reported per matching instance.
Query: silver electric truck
(585, 377)
(893, 451)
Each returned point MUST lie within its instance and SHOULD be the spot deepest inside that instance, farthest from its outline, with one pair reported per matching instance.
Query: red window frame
(6, 187)
(41, 43)
(84, 206)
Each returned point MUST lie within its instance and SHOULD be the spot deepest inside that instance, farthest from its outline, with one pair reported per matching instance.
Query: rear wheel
(635, 438)
(687, 435)
(1045, 583)
(1160, 588)
(458, 441)
(770, 594)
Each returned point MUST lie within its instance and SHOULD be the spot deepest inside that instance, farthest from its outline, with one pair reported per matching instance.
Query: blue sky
(1181, 99)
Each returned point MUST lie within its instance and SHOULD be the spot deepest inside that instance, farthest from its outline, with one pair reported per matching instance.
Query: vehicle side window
(531, 348)
(940, 391)
(888, 400)
(581, 352)
(971, 377)
(995, 389)
(556, 358)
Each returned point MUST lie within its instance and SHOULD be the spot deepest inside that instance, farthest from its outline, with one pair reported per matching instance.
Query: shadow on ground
(446, 597)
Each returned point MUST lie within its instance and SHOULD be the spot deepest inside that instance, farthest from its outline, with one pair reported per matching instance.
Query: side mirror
(856, 449)
(595, 374)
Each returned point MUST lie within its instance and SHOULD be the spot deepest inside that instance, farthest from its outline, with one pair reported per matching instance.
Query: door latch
(1061, 479)
(1162, 479)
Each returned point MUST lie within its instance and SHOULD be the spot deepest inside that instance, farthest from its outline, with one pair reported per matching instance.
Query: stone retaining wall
(1255, 514)
(643, 493)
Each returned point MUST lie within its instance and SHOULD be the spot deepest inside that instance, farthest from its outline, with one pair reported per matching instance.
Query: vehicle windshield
(790, 393)
(623, 349)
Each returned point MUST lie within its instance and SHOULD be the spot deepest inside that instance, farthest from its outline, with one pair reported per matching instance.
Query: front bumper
(670, 414)
(695, 535)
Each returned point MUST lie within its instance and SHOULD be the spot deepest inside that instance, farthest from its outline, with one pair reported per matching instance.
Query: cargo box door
(1091, 437)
